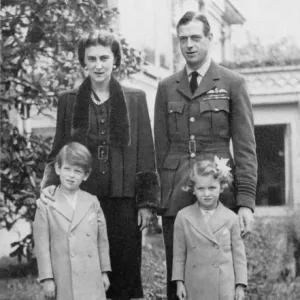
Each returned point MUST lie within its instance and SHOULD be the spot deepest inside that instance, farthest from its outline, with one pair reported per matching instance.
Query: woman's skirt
(125, 247)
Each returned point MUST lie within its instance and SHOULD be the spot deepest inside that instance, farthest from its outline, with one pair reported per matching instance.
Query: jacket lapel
(195, 218)
(83, 205)
(208, 82)
(183, 85)
(218, 219)
(62, 205)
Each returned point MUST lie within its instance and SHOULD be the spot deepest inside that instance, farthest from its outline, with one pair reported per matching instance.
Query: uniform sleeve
(103, 244)
(244, 145)
(179, 250)
(161, 136)
(147, 181)
(41, 236)
(238, 254)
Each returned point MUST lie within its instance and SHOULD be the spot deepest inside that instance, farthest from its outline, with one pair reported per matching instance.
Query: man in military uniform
(198, 111)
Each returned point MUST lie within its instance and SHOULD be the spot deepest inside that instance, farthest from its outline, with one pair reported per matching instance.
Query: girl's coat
(72, 246)
(209, 257)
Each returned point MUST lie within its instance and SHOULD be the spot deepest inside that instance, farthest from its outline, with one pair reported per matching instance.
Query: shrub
(270, 263)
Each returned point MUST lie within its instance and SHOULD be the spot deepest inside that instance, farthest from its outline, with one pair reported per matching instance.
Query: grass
(18, 282)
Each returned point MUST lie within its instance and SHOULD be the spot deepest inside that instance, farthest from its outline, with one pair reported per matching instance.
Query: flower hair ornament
(221, 164)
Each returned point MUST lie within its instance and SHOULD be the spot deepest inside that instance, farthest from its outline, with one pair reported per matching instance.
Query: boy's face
(207, 190)
(71, 176)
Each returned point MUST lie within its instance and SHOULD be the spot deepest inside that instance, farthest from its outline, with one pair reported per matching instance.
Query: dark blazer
(219, 110)
(137, 178)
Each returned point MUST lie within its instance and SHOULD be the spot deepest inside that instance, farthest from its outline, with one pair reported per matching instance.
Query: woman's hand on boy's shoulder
(49, 288)
(47, 194)
(105, 280)
(239, 292)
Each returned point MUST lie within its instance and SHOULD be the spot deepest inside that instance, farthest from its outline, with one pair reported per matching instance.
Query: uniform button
(102, 121)
(171, 110)
(193, 155)
(102, 132)
(105, 160)
(216, 109)
(192, 137)
(216, 265)
(103, 172)
(192, 119)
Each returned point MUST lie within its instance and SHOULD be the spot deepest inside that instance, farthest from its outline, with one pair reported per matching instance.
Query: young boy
(209, 259)
(70, 234)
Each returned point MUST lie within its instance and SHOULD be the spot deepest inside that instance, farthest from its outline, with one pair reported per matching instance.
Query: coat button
(90, 254)
(88, 234)
(194, 265)
(72, 254)
(193, 155)
(216, 265)
(192, 137)
(192, 119)
(216, 246)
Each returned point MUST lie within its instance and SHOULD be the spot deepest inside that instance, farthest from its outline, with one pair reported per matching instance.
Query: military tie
(194, 82)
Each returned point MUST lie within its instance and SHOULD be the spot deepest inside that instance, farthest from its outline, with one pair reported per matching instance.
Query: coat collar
(119, 125)
(207, 83)
(217, 221)
(62, 206)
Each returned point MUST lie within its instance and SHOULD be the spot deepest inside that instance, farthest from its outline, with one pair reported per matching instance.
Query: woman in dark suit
(113, 122)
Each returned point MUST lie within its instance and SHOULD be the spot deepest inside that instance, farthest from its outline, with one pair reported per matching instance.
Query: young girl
(209, 260)
(70, 234)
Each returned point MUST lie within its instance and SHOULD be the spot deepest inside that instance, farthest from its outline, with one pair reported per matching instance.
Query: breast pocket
(215, 115)
(175, 116)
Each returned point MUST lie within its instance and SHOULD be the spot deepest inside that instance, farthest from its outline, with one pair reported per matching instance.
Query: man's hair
(101, 37)
(189, 16)
(75, 154)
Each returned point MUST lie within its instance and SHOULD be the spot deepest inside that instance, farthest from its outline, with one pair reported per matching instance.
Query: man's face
(194, 44)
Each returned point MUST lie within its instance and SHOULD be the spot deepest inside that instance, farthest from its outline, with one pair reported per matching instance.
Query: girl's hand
(47, 194)
(49, 288)
(239, 292)
(105, 280)
(181, 292)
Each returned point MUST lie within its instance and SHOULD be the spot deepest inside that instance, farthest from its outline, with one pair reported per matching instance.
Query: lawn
(19, 282)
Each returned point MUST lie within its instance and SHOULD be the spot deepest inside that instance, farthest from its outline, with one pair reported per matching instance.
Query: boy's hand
(49, 288)
(181, 292)
(239, 292)
(105, 280)
(47, 194)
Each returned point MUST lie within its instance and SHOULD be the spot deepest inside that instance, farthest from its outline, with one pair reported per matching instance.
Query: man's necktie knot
(194, 82)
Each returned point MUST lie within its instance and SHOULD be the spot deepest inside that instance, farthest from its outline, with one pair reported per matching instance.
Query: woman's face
(99, 62)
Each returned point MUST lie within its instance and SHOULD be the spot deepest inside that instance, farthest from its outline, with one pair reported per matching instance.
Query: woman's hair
(75, 154)
(206, 168)
(101, 37)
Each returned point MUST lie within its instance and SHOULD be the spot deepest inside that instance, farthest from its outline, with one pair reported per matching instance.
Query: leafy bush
(270, 263)
(22, 165)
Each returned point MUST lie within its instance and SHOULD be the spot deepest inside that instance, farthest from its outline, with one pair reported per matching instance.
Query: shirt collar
(210, 212)
(202, 70)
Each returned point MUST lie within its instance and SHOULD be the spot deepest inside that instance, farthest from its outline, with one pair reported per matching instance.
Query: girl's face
(207, 190)
(99, 62)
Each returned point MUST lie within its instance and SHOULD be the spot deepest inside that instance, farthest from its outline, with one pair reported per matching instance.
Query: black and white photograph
(150, 149)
